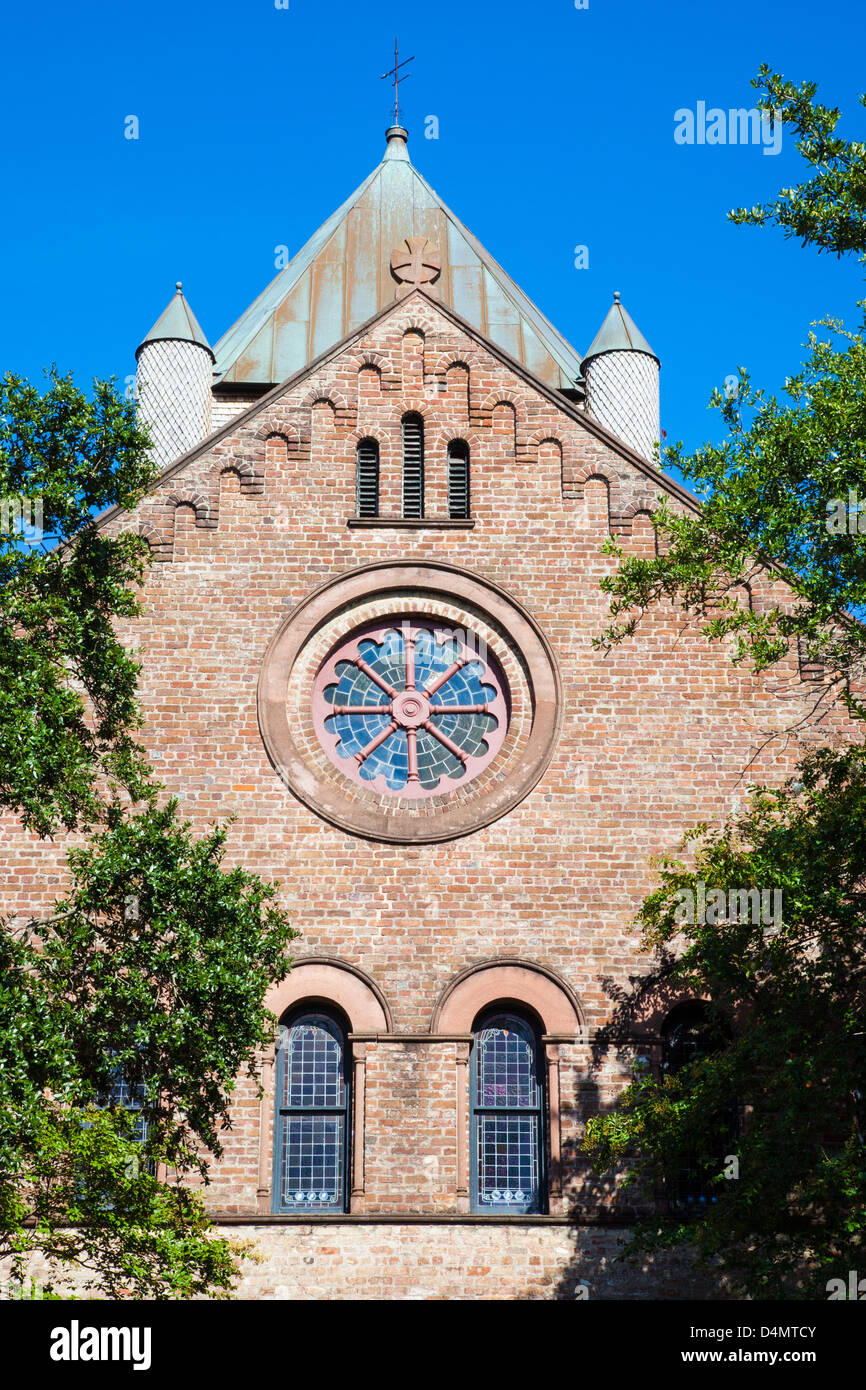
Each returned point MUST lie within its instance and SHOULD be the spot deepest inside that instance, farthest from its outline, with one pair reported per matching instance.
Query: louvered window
(368, 478)
(458, 478)
(413, 466)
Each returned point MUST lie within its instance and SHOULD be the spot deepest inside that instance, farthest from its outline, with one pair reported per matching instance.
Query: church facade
(367, 634)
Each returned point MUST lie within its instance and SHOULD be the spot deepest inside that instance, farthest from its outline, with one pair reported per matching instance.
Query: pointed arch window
(312, 1116)
(507, 1101)
(413, 466)
(458, 478)
(367, 478)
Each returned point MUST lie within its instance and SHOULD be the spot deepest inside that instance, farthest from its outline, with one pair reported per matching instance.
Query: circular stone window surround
(389, 591)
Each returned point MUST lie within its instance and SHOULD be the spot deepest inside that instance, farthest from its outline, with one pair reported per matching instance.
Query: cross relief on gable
(416, 265)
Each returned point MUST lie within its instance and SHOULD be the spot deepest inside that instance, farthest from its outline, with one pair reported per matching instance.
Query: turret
(622, 381)
(175, 374)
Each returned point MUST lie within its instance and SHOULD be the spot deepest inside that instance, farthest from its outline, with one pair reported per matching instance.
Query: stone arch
(655, 1006)
(250, 478)
(513, 981)
(467, 358)
(201, 506)
(446, 433)
(495, 398)
(317, 394)
(371, 431)
(328, 980)
(573, 481)
(160, 544)
(414, 405)
(641, 506)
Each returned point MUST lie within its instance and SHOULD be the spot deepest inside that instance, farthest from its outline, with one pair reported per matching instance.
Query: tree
(127, 1015)
(124, 1031)
(67, 685)
(792, 1001)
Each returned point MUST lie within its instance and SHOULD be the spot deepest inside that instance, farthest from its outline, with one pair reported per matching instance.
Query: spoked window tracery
(411, 709)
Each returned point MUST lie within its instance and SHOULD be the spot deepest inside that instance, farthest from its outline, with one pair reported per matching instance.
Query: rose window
(411, 709)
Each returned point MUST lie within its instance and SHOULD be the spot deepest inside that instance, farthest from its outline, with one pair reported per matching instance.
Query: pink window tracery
(409, 708)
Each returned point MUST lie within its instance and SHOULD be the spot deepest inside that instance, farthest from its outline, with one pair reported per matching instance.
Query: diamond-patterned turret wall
(174, 396)
(622, 393)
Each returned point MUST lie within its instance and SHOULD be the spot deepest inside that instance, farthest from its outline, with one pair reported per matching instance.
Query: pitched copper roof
(343, 276)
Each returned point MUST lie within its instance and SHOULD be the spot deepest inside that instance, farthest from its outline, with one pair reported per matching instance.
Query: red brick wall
(654, 738)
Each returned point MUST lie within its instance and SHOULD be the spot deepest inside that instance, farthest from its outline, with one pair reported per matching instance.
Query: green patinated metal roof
(618, 333)
(342, 277)
(177, 321)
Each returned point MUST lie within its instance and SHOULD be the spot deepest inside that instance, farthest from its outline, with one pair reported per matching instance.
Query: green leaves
(792, 997)
(828, 210)
(67, 685)
(152, 972)
(150, 978)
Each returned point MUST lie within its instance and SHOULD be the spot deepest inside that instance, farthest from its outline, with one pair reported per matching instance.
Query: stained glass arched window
(311, 1120)
(507, 1118)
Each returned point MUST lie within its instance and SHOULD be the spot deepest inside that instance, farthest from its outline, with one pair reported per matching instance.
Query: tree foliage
(68, 706)
(791, 1000)
(128, 1014)
(127, 1017)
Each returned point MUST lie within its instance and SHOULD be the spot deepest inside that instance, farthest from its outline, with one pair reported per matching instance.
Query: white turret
(175, 375)
(622, 381)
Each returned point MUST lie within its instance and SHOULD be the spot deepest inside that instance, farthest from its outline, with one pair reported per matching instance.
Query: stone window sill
(415, 523)
(415, 1219)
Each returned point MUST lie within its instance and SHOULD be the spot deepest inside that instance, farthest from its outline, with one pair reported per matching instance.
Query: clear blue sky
(556, 130)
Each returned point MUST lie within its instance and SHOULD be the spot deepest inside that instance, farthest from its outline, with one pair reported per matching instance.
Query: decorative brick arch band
(508, 982)
(455, 599)
(322, 978)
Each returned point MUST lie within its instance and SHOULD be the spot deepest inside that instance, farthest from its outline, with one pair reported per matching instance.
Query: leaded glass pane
(508, 1161)
(506, 1067)
(450, 726)
(313, 1154)
(313, 1073)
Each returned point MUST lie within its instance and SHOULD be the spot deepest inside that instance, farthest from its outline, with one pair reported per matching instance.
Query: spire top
(395, 73)
(178, 284)
(618, 333)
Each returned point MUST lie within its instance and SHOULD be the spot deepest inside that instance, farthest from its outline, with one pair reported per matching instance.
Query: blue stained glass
(507, 1117)
(312, 1117)
(506, 1067)
(390, 760)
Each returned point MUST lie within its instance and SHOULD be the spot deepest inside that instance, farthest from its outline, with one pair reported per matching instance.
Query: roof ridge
(335, 287)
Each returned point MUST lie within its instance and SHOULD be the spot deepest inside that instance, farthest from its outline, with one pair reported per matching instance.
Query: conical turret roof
(177, 321)
(618, 333)
(343, 276)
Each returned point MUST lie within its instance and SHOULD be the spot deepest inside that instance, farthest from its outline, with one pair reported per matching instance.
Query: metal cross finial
(395, 73)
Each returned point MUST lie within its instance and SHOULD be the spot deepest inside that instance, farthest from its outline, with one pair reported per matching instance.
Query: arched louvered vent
(413, 466)
(458, 478)
(367, 477)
